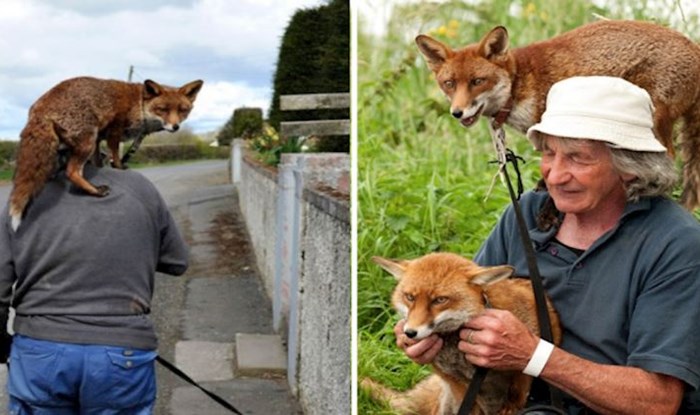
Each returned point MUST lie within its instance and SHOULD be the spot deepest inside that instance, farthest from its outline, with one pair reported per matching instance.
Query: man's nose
(555, 172)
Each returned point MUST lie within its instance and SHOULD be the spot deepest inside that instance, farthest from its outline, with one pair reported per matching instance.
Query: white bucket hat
(600, 108)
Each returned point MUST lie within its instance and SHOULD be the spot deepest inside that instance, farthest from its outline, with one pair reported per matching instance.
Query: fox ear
(434, 52)
(495, 43)
(151, 89)
(191, 89)
(392, 266)
(489, 275)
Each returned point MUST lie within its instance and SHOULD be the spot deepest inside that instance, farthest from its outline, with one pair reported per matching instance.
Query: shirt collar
(540, 238)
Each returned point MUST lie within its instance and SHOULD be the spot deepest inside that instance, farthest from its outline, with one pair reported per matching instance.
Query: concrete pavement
(222, 303)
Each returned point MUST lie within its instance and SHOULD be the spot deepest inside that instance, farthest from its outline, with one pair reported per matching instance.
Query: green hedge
(177, 152)
(314, 57)
(146, 154)
(244, 123)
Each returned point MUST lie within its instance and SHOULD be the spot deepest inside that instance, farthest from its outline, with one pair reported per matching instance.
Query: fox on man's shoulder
(80, 112)
(488, 78)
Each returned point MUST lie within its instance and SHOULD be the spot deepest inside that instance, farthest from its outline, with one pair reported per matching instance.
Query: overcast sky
(231, 44)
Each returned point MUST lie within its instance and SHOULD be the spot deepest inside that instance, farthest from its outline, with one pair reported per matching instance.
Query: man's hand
(420, 351)
(5, 346)
(497, 339)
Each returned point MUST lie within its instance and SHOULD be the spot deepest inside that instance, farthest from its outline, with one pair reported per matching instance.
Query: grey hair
(654, 172)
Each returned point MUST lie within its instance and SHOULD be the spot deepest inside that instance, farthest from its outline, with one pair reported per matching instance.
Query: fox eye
(449, 84)
(440, 300)
(409, 297)
(477, 81)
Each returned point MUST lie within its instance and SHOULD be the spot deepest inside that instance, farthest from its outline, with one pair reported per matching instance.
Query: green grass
(422, 178)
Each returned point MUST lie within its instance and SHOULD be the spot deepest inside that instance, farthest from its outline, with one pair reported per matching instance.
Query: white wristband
(539, 358)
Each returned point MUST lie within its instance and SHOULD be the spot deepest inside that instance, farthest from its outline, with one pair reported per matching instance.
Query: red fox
(489, 78)
(76, 114)
(438, 293)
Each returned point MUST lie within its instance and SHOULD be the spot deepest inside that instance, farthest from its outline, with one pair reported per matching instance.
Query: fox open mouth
(468, 121)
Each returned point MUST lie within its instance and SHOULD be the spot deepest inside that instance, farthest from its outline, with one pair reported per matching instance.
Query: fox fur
(481, 78)
(438, 293)
(79, 112)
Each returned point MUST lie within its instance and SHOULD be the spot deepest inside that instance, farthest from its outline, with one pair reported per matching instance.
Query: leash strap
(474, 386)
(535, 277)
(469, 399)
(171, 367)
(504, 156)
(132, 149)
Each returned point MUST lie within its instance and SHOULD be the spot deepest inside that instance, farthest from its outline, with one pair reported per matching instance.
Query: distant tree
(314, 57)
(244, 123)
(184, 135)
(226, 134)
(247, 122)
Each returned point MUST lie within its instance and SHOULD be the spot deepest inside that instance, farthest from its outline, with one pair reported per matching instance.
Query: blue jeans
(51, 378)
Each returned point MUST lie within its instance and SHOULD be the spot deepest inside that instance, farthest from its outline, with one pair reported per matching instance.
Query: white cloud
(232, 45)
(217, 101)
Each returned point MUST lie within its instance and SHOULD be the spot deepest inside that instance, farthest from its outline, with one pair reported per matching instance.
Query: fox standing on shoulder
(488, 78)
(76, 114)
(438, 293)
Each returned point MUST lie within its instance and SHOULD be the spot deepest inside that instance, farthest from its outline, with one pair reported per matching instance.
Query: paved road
(219, 296)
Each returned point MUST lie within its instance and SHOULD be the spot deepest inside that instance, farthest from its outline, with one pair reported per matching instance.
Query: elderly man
(620, 261)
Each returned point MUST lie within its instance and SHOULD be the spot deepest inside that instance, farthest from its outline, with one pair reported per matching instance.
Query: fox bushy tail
(36, 162)
(422, 399)
(690, 154)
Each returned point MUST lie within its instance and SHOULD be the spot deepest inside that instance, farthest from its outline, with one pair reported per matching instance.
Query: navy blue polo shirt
(632, 298)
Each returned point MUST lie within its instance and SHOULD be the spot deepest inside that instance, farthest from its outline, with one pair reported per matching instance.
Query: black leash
(171, 367)
(474, 387)
(132, 149)
(535, 277)
(476, 381)
(537, 287)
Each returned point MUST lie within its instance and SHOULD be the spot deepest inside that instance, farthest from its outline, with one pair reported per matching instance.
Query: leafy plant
(269, 146)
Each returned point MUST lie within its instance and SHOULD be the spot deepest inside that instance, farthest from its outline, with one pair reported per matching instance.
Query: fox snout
(171, 127)
(457, 113)
(410, 333)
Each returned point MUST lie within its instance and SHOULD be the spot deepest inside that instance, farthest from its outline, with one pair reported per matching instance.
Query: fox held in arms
(77, 114)
(488, 78)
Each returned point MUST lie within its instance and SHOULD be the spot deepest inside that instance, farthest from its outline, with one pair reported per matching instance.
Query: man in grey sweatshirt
(83, 274)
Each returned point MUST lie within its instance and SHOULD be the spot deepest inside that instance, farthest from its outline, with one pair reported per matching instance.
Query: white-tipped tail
(16, 220)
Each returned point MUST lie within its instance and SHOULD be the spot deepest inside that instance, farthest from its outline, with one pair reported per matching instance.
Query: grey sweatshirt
(84, 266)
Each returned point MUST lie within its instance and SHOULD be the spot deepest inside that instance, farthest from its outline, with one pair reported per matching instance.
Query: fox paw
(102, 191)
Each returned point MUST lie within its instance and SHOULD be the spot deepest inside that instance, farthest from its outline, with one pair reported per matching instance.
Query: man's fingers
(425, 350)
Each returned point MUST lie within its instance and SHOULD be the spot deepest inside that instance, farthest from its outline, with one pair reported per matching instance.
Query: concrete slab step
(250, 396)
(205, 361)
(258, 354)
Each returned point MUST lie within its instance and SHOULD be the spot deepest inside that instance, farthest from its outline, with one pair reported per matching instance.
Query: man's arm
(7, 279)
(498, 340)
